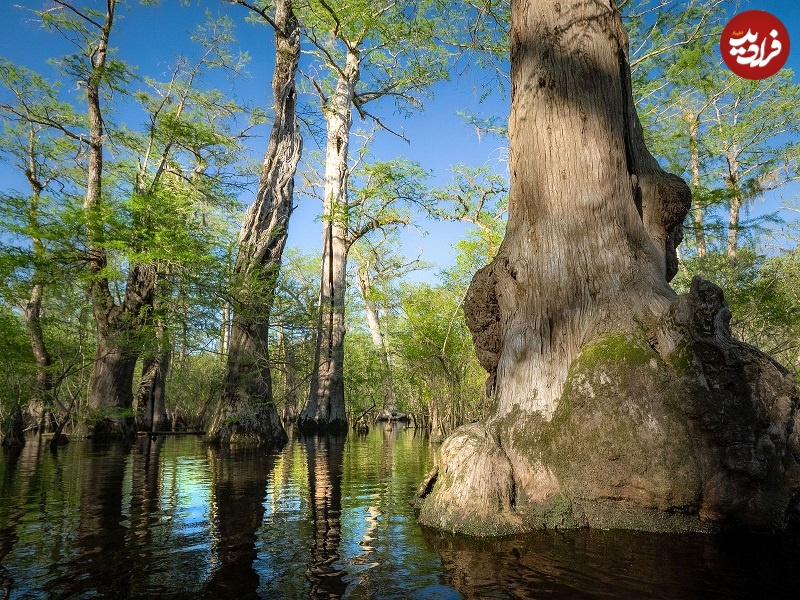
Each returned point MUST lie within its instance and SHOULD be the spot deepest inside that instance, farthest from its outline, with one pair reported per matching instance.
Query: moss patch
(617, 435)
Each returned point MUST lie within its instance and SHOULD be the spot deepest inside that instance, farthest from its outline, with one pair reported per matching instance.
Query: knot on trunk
(666, 202)
(482, 316)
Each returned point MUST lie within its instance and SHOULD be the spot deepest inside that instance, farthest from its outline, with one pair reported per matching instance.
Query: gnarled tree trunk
(151, 397)
(247, 410)
(617, 404)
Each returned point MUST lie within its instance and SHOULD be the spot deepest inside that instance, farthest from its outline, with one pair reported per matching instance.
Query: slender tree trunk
(694, 167)
(39, 410)
(379, 341)
(40, 405)
(225, 329)
(290, 408)
(608, 388)
(247, 410)
(325, 409)
(736, 202)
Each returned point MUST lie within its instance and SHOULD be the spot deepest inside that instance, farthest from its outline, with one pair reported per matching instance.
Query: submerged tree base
(677, 428)
(309, 426)
(251, 425)
(112, 428)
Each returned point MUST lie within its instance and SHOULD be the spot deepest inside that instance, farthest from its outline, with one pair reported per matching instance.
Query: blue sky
(152, 37)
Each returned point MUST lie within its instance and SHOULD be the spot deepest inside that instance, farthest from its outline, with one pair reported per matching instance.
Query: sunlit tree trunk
(616, 402)
(694, 167)
(225, 329)
(735, 204)
(247, 410)
(290, 407)
(325, 409)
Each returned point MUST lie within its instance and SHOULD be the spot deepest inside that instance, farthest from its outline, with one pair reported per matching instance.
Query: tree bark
(325, 409)
(247, 412)
(290, 408)
(151, 396)
(617, 404)
(111, 395)
(39, 410)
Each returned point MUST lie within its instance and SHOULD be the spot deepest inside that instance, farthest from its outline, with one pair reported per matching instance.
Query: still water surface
(323, 518)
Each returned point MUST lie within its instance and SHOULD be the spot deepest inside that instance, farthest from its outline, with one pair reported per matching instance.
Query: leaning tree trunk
(324, 409)
(617, 404)
(247, 412)
(694, 166)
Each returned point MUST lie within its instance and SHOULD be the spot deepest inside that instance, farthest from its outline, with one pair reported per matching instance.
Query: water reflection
(239, 482)
(98, 559)
(324, 455)
(323, 518)
(620, 564)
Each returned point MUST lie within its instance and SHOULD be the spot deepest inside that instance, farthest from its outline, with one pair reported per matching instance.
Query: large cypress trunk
(111, 396)
(617, 404)
(247, 412)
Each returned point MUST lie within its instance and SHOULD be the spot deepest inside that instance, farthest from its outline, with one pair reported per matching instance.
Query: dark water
(324, 518)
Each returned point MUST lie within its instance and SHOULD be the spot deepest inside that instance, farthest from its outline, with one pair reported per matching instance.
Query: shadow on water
(239, 481)
(325, 455)
(621, 564)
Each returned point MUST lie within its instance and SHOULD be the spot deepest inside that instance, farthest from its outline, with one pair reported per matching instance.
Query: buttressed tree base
(618, 404)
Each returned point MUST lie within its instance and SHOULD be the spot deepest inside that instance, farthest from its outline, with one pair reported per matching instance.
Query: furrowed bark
(617, 403)
(247, 412)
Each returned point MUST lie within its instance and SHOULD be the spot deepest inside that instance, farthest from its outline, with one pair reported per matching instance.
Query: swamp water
(323, 518)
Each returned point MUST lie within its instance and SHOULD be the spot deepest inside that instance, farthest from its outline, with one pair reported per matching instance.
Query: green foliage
(192, 387)
(17, 372)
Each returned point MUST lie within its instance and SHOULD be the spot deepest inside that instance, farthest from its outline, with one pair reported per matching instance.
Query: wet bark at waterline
(617, 404)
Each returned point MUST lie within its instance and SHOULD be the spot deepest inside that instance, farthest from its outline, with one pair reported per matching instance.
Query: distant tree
(365, 52)
(379, 265)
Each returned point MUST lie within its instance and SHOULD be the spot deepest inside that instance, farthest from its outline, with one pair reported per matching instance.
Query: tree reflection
(239, 483)
(145, 503)
(325, 456)
(100, 564)
(619, 564)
